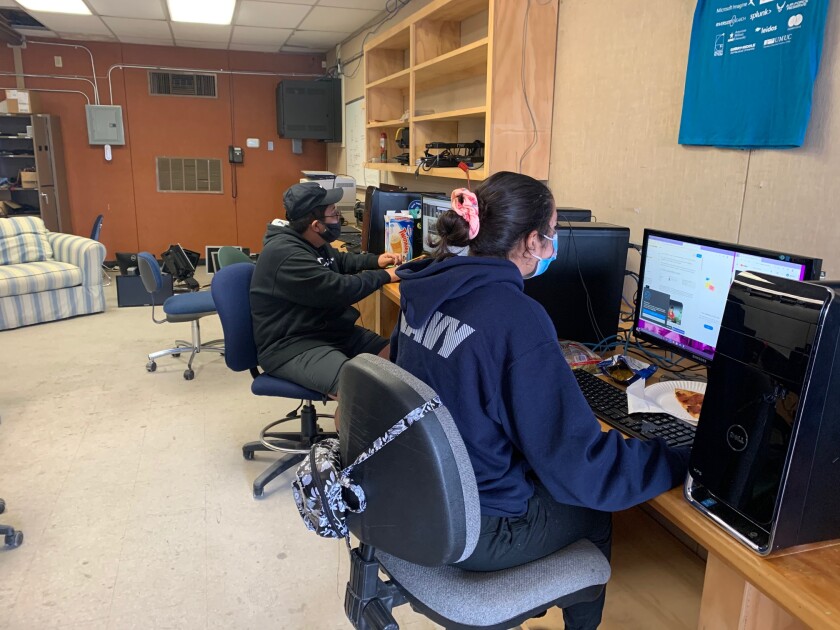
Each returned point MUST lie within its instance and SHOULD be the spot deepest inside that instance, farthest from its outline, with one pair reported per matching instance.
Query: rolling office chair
(231, 292)
(12, 538)
(184, 307)
(95, 232)
(423, 514)
(231, 255)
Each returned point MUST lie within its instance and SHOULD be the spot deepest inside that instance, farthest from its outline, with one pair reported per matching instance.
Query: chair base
(295, 445)
(9, 536)
(193, 347)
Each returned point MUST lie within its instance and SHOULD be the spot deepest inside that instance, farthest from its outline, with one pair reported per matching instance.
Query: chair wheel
(176, 355)
(258, 493)
(189, 375)
(2, 506)
(247, 454)
(151, 366)
(15, 539)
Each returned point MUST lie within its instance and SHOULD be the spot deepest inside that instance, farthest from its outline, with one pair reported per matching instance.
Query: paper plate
(663, 395)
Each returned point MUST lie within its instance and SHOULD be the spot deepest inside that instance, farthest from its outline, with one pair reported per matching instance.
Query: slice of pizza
(691, 401)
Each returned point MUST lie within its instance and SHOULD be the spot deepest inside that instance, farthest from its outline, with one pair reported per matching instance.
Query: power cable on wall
(744, 196)
(392, 7)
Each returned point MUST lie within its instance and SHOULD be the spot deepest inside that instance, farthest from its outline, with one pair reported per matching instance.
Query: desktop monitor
(432, 208)
(581, 290)
(127, 262)
(684, 281)
(180, 262)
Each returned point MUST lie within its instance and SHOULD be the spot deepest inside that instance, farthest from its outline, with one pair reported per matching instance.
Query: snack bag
(625, 370)
(398, 235)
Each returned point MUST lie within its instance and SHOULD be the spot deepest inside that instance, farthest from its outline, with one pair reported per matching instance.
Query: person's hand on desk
(388, 259)
(392, 271)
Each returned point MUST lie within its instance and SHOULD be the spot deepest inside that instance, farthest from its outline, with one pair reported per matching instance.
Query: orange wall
(137, 217)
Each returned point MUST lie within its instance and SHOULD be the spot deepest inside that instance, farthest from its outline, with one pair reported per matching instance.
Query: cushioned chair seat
(479, 599)
(186, 306)
(267, 385)
(35, 277)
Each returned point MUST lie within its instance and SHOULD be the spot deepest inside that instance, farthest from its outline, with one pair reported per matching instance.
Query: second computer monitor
(581, 290)
(684, 282)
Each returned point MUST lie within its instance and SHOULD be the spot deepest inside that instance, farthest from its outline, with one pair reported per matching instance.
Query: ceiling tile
(270, 14)
(201, 32)
(338, 20)
(78, 24)
(147, 41)
(315, 40)
(82, 37)
(145, 9)
(373, 5)
(300, 50)
(30, 33)
(185, 43)
(260, 36)
(125, 27)
(255, 48)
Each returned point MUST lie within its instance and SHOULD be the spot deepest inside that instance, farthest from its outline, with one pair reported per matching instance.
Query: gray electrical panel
(105, 124)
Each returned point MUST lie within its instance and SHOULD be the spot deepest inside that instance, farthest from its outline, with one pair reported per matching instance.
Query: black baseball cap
(301, 199)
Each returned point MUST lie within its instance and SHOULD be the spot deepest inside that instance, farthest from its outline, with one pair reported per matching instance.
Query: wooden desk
(741, 590)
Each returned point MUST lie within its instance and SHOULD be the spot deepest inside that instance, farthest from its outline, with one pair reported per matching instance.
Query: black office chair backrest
(422, 498)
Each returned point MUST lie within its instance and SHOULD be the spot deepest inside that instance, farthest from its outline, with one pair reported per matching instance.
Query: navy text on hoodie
(490, 352)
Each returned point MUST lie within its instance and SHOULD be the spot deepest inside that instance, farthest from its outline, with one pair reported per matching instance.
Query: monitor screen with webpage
(684, 282)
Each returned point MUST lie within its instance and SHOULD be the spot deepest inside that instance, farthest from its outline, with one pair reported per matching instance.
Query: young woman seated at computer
(547, 475)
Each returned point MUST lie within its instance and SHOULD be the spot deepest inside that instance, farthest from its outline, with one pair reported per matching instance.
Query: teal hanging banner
(751, 71)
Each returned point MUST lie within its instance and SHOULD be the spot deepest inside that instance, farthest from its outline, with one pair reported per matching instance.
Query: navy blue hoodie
(491, 353)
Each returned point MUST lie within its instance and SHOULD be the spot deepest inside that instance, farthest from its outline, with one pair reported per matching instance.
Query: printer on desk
(766, 453)
(328, 180)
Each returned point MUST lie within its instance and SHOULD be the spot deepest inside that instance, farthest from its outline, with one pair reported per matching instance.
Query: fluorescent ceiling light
(76, 7)
(201, 11)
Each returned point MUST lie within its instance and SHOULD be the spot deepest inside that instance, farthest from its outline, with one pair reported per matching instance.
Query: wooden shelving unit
(452, 72)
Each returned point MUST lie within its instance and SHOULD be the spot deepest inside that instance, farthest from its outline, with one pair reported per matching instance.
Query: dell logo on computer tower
(766, 454)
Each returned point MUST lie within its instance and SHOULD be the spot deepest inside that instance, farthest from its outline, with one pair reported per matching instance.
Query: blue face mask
(543, 263)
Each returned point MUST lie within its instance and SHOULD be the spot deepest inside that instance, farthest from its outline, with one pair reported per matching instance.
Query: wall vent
(182, 84)
(189, 175)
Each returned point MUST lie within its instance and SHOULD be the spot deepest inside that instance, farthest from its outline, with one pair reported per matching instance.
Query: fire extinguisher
(383, 154)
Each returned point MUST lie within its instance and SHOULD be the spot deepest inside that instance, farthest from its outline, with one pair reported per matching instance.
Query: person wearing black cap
(303, 291)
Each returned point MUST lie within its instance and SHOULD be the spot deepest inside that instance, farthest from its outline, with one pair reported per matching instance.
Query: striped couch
(45, 276)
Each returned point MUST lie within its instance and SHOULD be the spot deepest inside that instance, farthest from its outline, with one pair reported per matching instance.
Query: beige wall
(617, 104)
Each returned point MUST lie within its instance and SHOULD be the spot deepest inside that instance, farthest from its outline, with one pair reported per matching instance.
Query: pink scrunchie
(465, 203)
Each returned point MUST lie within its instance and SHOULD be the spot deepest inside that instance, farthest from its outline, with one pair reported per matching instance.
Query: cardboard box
(28, 179)
(20, 102)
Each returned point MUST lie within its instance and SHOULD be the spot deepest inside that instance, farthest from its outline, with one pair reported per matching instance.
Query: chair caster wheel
(176, 355)
(258, 493)
(151, 366)
(247, 454)
(189, 375)
(2, 506)
(15, 539)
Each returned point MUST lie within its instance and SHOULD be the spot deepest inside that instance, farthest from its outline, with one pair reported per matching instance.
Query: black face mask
(333, 231)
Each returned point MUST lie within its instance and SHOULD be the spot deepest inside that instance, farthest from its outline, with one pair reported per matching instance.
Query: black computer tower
(581, 290)
(766, 454)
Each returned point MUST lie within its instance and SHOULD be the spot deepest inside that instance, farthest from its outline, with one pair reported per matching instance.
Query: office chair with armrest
(231, 289)
(11, 537)
(95, 232)
(184, 307)
(423, 514)
(231, 255)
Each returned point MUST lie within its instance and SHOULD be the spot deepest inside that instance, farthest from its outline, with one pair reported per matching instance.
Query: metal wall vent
(182, 84)
(190, 175)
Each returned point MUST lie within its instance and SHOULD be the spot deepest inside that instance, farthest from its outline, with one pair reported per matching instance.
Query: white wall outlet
(324, 65)
(59, 62)
(252, 143)
(270, 145)
(108, 155)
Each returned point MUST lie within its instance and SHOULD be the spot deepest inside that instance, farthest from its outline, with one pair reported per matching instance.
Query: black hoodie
(491, 353)
(302, 297)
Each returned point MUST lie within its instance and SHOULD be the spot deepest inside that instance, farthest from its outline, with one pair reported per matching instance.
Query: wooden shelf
(455, 114)
(467, 61)
(398, 38)
(455, 173)
(454, 11)
(387, 123)
(391, 167)
(399, 80)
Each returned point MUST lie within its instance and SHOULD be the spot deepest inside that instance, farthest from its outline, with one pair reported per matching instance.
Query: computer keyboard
(610, 404)
(352, 240)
